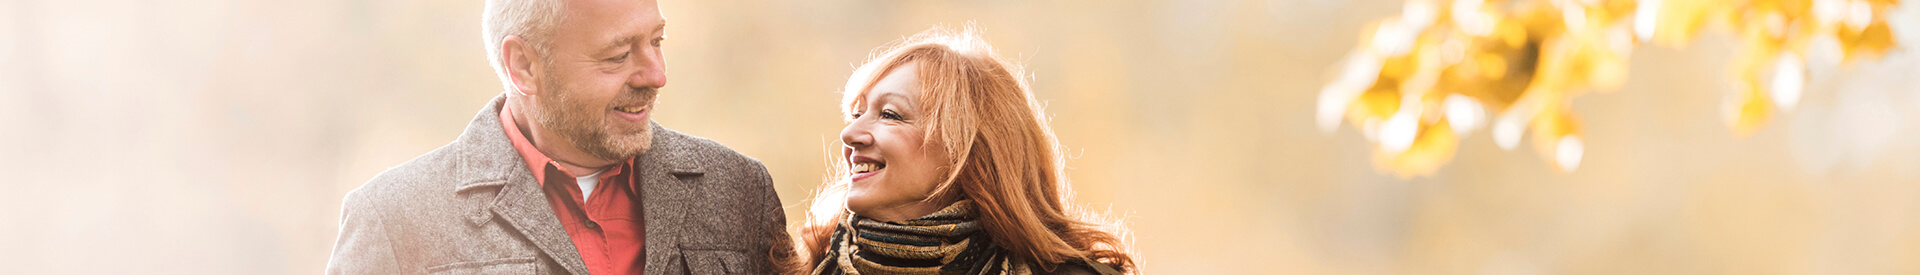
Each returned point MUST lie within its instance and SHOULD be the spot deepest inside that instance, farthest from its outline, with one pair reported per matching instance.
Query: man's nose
(652, 71)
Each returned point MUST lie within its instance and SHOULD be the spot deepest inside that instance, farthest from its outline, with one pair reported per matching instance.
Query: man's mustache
(634, 95)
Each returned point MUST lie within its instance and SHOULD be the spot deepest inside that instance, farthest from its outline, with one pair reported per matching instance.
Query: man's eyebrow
(628, 40)
(621, 42)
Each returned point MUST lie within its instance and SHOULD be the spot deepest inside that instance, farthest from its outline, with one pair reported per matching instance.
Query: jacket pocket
(525, 265)
(714, 259)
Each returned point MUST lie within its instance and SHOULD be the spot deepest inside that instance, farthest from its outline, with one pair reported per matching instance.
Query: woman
(949, 168)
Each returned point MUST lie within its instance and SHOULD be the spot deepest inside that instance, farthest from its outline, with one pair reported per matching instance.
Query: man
(565, 173)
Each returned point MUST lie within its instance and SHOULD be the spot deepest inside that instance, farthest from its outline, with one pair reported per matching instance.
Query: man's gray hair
(532, 20)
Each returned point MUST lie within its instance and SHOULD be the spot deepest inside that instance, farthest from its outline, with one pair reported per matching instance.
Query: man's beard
(587, 127)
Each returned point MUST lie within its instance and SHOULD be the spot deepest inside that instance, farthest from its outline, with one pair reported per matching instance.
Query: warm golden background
(217, 137)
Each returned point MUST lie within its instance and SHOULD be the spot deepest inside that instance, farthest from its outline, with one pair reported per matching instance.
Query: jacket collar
(487, 161)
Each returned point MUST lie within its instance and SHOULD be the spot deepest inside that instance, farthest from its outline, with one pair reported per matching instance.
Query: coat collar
(487, 161)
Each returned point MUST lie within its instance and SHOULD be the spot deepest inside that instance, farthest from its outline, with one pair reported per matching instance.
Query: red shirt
(607, 229)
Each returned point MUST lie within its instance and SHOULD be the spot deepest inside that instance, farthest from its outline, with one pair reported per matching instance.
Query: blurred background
(219, 136)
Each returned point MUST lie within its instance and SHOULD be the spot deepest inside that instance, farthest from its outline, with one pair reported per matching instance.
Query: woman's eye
(857, 115)
(889, 114)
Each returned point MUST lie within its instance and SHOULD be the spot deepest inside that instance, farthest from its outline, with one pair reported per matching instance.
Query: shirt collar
(537, 162)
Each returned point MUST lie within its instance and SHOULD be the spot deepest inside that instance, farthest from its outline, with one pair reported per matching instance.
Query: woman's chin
(859, 205)
(867, 207)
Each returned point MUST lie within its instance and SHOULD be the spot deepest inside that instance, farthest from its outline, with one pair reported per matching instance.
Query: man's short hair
(532, 20)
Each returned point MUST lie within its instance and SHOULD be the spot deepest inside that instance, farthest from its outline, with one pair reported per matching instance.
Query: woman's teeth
(865, 167)
(634, 110)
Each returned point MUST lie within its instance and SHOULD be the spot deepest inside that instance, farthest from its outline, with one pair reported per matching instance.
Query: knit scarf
(950, 241)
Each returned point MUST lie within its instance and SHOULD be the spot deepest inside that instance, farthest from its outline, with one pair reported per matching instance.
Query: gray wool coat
(473, 207)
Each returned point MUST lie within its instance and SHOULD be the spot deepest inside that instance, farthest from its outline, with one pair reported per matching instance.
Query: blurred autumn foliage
(1417, 83)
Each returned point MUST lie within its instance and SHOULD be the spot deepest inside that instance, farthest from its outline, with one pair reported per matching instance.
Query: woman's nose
(856, 135)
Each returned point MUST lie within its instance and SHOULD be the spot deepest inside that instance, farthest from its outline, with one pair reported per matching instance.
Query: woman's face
(893, 169)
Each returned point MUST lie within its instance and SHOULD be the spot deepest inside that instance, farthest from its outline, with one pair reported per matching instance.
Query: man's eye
(656, 41)
(621, 58)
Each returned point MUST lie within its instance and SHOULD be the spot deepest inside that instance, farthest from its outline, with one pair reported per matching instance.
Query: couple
(948, 168)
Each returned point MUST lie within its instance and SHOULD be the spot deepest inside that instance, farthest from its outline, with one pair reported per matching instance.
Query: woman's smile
(864, 167)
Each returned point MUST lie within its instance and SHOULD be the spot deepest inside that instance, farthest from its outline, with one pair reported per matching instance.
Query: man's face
(603, 77)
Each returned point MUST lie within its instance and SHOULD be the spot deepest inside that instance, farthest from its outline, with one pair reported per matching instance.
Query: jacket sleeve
(363, 246)
(775, 221)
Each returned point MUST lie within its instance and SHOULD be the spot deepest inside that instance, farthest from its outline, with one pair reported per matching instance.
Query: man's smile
(633, 114)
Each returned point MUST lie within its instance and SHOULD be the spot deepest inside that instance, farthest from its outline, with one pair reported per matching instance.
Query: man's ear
(519, 58)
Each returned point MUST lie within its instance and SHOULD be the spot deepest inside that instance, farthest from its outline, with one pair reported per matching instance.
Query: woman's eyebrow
(896, 99)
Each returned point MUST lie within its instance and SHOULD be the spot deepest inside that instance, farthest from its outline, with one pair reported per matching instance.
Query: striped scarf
(946, 242)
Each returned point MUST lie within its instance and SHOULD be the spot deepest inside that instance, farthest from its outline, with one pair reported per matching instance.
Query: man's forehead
(623, 13)
(599, 23)
(600, 4)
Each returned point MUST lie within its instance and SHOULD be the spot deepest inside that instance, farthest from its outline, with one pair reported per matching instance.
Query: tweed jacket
(473, 207)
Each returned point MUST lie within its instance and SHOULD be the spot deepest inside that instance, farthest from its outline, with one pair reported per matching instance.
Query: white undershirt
(587, 183)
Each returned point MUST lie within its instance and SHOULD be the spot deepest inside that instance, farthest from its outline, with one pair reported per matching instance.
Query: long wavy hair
(981, 111)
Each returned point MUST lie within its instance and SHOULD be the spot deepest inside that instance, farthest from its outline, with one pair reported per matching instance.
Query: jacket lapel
(488, 159)
(665, 177)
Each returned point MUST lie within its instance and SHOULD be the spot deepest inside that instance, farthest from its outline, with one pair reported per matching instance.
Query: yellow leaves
(1872, 41)
(1745, 111)
(1781, 38)
(1578, 65)
(1434, 144)
(1374, 106)
(1677, 22)
(1490, 66)
(1557, 137)
(1444, 68)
